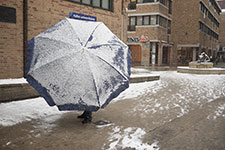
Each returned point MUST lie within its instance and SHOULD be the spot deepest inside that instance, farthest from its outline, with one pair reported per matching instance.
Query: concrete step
(143, 78)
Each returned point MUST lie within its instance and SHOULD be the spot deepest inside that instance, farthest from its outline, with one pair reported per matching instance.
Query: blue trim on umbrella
(129, 62)
(77, 107)
(30, 55)
(116, 93)
(34, 83)
(41, 90)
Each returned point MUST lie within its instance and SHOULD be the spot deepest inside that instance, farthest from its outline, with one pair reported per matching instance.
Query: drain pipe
(25, 43)
(122, 23)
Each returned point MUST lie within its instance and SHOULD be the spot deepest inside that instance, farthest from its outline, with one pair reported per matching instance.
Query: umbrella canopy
(78, 65)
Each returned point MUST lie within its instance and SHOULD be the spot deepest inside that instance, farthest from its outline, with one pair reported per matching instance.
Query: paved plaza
(178, 112)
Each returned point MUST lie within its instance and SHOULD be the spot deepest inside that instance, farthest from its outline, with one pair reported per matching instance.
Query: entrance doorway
(166, 55)
(135, 54)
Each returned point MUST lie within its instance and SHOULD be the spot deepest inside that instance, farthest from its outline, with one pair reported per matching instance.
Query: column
(153, 55)
(194, 54)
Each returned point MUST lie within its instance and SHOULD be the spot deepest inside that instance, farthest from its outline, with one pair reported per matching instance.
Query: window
(162, 21)
(163, 2)
(207, 13)
(146, 20)
(150, 20)
(139, 20)
(147, 1)
(132, 20)
(208, 31)
(86, 1)
(170, 7)
(153, 20)
(169, 27)
(103, 4)
(96, 3)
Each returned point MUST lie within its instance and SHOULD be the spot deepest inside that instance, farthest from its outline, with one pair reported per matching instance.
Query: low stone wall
(13, 92)
(143, 79)
(200, 65)
(200, 71)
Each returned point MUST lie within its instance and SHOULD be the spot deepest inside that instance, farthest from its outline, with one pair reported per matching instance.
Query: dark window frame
(111, 4)
(205, 29)
(210, 16)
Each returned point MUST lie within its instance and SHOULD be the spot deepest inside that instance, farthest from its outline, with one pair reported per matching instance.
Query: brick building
(149, 30)
(195, 28)
(222, 28)
(20, 20)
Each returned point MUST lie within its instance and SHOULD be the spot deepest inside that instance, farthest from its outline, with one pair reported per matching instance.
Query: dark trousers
(88, 114)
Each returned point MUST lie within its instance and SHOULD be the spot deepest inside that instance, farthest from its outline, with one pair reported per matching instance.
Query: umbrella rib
(106, 61)
(92, 33)
(112, 67)
(96, 90)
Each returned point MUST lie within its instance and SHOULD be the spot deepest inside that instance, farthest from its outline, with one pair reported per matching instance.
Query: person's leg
(88, 117)
(82, 115)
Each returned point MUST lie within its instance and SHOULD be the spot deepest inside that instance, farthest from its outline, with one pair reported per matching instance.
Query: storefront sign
(133, 39)
(82, 17)
(147, 45)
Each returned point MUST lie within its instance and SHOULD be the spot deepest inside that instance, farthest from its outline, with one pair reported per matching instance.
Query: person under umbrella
(78, 65)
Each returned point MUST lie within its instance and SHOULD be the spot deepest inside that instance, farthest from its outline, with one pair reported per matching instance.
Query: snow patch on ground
(219, 112)
(130, 137)
(137, 89)
(17, 112)
(178, 92)
(13, 81)
(153, 97)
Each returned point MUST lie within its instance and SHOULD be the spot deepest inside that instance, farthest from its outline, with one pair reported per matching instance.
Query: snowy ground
(193, 91)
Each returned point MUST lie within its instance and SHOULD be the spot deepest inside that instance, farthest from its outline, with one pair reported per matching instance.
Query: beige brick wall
(154, 33)
(185, 25)
(11, 43)
(42, 14)
(185, 21)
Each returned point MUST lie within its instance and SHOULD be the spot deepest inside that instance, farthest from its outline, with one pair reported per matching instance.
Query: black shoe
(81, 116)
(86, 120)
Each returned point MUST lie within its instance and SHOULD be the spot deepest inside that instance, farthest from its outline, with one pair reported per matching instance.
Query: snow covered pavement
(136, 111)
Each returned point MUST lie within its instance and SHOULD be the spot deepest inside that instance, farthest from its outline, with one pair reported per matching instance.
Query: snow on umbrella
(78, 65)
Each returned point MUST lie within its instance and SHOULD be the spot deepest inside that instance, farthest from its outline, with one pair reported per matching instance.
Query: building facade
(20, 20)
(149, 32)
(196, 26)
(221, 52)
